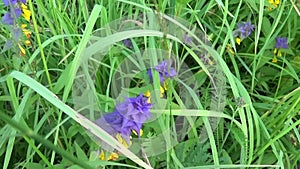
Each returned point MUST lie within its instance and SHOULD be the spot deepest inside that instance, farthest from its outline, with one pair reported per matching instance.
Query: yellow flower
(162, 91)
(274, 60)
(27, 42)
(147, 93)
(122, 141)
(102, 155)
(230, 50)
(26, 32)
(26, 13)
(273, 4)
(113, 156)
(22, 50)
(238, 40)
(277, 52)
(141, 132)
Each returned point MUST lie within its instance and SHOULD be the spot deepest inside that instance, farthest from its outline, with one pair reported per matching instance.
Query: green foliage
(192, 153)
(256, 120)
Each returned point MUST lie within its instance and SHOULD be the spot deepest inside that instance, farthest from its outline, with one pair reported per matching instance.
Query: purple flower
(136, 109)
(187, 39)
(12, 2)
(163, 70)
(114, 123)
(129, 115)
(244, 30)
(9, 17)
(127, 43)
(9, 2)
(281, 43)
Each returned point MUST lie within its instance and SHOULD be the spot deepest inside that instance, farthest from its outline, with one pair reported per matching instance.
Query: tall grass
(229, 107)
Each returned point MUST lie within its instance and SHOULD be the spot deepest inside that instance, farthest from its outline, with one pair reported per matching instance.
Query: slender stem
(40, 44)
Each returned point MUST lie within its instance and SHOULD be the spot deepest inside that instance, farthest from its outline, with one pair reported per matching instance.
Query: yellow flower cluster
(273, 4)
(26, 14)
(113, 155)
(276, 52)
(162, 91)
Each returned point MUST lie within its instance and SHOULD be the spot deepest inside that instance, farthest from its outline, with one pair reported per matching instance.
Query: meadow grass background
(40, 131)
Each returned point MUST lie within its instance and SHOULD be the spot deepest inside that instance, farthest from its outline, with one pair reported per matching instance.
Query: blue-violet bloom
(127, 43)
(281, 43)
(129, 115)
(135, 109)
(12, 2)
(164, 70)
(244, 30)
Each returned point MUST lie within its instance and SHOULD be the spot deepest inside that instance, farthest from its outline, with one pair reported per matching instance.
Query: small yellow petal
(275, 51)
(27, 42)
(166, 85)
(112, 156)
(23, 6)
(238, 41)
(274, 60)
(149, 100)
(162, 91)
(277, 2)
(25, 31)
(147, 93)
(22, 50)
(102, 156)
(23, 26)
(230, 50)
(279, 53)
(135, 133)
(121, 140)
(26, 13)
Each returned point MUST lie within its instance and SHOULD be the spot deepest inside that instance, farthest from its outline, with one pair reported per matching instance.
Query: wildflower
(22, 50)
(26, 13)
(12, 14)
(229, 48)
(127, 43)
(16, 9)
(128, 116)
(163, 70)
(135, 109)
(187, 39)
(113, 156)
(274, 59)
(273, 4)
(243, 31)
(238, 40)
(281, 43)
(27, 33)
(161, 90)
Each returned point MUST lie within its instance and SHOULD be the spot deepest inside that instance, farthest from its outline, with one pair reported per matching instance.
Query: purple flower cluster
(281, 43)
(165, 71)
(14, 11)
(127, 43)
(244, 30)
(128, 116)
